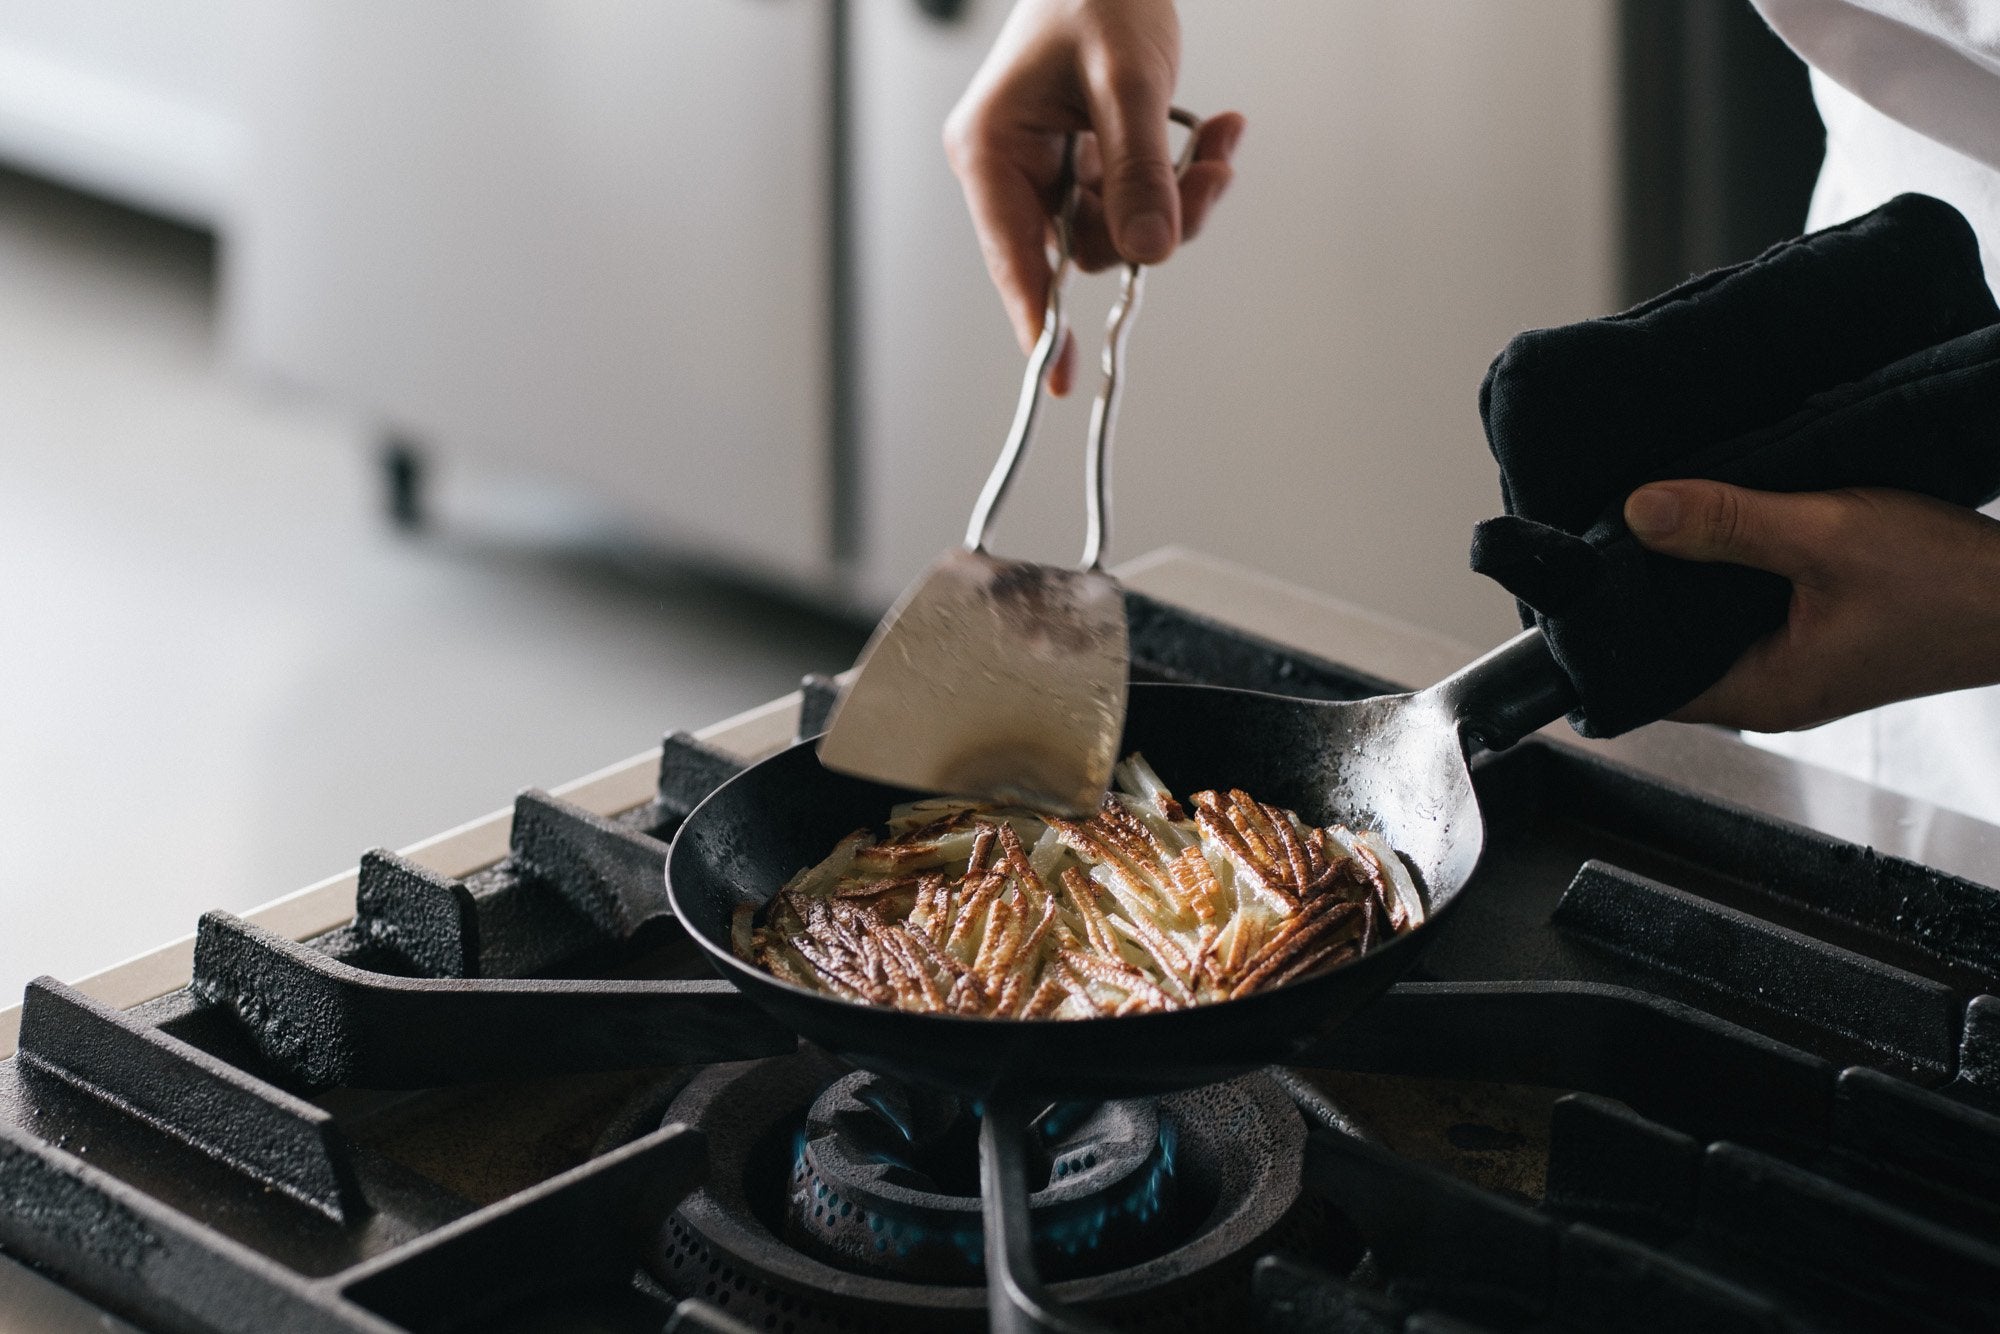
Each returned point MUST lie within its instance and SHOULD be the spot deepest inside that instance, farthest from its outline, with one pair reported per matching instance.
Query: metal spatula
(1005, 679)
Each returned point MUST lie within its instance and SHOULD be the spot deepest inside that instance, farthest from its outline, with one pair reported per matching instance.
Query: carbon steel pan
(1396, 763)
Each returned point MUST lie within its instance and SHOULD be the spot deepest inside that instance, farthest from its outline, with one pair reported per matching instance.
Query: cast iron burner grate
(1238, 1154)
(1671, 1065)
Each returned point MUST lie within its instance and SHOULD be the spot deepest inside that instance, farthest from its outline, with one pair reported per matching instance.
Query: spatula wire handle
(1038, 362)
(1104, 412)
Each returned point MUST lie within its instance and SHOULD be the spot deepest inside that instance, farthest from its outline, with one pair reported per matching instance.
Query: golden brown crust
(1142, 907)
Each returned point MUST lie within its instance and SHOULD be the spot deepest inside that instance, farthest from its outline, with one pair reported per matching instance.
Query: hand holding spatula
(1005, 679)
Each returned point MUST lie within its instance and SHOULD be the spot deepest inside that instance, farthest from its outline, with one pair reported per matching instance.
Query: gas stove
(1712, 1043)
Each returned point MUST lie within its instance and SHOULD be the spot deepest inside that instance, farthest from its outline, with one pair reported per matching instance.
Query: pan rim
(729, 967)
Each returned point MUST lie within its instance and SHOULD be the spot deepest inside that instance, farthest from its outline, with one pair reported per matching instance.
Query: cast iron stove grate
(1674, 1066)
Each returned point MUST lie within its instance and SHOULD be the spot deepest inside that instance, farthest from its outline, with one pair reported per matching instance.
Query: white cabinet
(1419, 181)
(588, 240)
(136, 99)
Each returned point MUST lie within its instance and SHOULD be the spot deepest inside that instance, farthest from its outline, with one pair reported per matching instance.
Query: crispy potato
(1001, 912)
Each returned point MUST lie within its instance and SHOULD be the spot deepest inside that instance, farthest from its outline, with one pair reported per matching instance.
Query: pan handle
(1516, 689)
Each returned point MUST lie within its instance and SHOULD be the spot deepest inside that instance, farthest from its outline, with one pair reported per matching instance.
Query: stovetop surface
(1671, 1064)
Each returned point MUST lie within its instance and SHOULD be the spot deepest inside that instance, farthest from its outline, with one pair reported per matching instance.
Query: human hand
(1104, 69)
(1894, 595)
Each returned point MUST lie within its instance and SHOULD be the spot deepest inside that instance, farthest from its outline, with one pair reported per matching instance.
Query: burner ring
(886, 1180)
(1241, 1149)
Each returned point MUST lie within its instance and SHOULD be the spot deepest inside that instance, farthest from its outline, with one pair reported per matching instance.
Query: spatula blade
(995, 679)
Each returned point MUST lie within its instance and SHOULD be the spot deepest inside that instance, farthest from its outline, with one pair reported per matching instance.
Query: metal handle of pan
(1104, 412)
(1502, 696)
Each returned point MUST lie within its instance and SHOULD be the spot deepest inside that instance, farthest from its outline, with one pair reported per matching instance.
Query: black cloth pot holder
(1867, 354)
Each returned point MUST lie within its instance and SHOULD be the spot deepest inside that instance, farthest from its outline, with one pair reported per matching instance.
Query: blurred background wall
(702, 264)
(706, 260)
(140, 101)
(404, 401)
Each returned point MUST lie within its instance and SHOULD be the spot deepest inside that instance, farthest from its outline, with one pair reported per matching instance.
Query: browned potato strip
(1003, 930)
(1247, 814)
(1148, 905)
(1217, 827)
(1048, 994)
(1172, 961)
(934, 954)
(1029, 954)
(1322, 916)
(1298, 874)
(1012, 992)
(1283, 951)
(1121, 975)
(1248, 938)
(1197, 880)
(982, 848)
(831, 967)
(1018, 865)
(1338, 952)
(1083, 898)
(901, 944)
(971, 907)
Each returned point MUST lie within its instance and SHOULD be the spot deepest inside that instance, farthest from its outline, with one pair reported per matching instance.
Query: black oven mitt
(1867, 354)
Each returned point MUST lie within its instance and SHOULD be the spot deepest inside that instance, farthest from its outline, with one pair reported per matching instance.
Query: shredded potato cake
(1002, 912)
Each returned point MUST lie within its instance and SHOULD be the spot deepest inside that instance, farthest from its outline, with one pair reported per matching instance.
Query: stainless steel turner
(1005, 679)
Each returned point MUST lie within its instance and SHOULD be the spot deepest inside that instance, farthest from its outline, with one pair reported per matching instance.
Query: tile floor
(222, 674)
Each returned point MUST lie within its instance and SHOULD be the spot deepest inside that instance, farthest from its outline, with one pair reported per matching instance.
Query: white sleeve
(1933, 65)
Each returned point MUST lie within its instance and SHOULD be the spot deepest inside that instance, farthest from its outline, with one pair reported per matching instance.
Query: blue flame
(1072, 1235)
(1065, 1117)
(871, 1095)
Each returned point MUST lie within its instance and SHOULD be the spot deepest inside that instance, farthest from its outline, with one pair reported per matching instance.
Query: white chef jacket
(1909, 91)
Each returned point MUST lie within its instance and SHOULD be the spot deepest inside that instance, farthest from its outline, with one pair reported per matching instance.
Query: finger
(1009, 218)
(1210, 173)
(1201, 186)
(1792, 534)
(1763, 692)
(1740, 699)
(1063, 374)
(1090, 239)
(1128, 108)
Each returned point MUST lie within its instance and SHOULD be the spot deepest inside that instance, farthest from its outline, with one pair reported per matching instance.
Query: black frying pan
(1396, 763)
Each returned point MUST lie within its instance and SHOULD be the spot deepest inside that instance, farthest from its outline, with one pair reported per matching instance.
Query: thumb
(1712, 521)
(1141, 202)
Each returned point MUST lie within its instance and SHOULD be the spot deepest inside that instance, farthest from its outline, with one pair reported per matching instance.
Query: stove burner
(1227, 1159)
(886, 1180)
